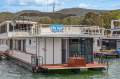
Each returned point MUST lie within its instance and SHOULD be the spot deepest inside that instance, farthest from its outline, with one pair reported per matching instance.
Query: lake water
(9, 70)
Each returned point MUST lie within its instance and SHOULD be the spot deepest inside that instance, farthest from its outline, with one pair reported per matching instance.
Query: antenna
(54, 6)
(47, 4)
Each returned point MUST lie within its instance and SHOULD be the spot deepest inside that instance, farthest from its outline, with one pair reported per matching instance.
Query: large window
(21, 45)
(3, 28)
(24, 45)
(11, 44)
(116, 32)
(81, 47)
(20, 27)
(18, 45)
(64, 50)
(74, 47)
(109, 44)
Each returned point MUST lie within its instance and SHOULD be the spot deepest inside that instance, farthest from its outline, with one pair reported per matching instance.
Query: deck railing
(46, 30)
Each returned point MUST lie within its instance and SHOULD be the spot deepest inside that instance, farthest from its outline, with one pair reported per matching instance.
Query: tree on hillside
(92, 19)
(116, 14)
(6, 16)
(108, 17)
(102, 20)
(106, 20)
(55, 20)
(45, 20)
(72, 20)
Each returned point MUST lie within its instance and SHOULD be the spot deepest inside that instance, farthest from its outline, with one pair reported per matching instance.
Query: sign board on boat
(57, 27)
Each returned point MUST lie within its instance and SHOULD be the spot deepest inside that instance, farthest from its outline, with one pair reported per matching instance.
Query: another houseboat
(110, 42)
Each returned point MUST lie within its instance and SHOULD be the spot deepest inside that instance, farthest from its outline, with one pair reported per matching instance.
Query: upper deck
(10, 29)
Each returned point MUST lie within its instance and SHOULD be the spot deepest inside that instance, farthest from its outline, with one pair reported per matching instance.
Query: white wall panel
(57, 51)
(31, 48)
(49, 51)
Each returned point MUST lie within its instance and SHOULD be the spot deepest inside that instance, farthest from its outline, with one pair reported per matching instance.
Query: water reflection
(9, 70)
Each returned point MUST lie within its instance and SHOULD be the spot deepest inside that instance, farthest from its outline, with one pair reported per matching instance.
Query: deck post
(53, 50)
(21, 45)
(38, 46)
(13, 44)
(36, 51)
(45, 50)
(67, 49)
(101, 43)
(7, 27)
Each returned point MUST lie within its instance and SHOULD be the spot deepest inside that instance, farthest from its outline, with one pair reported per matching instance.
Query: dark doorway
(11, 44)
(81, 47)
(77, 46)
(24, 45)
(19, 45)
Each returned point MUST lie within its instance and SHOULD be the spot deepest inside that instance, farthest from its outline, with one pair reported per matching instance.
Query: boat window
(116, 32)
(30, 42)
(98, 42)
(24, 45)
(20, 27)
(82, 47)
(11, 44)
(75, 41)
(3, 28)
(19, 44)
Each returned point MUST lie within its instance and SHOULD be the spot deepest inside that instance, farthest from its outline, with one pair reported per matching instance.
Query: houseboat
(51, 46)
(110, 42)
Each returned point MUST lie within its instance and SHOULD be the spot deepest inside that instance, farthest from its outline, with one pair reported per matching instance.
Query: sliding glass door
(82, 47)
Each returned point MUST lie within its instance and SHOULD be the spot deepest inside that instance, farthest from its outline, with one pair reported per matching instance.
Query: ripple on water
(9, 70)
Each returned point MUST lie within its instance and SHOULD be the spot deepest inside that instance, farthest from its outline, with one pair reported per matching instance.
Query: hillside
(57, 15)
(80, 11)
(79, 16)
(33, 14)
(6, 16)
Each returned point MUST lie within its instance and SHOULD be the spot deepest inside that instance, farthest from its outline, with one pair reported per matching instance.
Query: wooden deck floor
(64, 66)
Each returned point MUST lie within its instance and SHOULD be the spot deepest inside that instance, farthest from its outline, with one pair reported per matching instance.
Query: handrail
(40, 60)
(36, 60)
(67, 30)
(39, 29)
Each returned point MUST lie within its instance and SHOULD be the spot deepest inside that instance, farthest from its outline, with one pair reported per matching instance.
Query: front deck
(74, 63)
(66, 67)
(71, 64)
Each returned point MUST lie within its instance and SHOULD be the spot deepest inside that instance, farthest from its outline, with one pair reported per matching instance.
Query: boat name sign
(57, 27)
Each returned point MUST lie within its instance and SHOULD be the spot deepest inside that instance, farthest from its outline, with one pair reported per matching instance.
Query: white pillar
(112, 24)
(21, 45)
(16, 44)
(67, 49)
(13, 44)
(95, 44)
(103, 31)
(8, 27)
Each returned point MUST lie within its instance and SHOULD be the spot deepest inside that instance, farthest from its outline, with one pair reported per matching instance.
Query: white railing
(68, 30)
(115, 36)
(111, 36)
(44, 29)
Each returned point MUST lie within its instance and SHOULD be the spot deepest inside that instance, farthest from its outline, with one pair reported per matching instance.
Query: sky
(46, 5)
